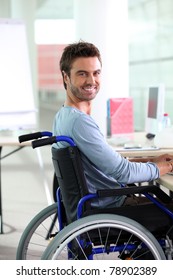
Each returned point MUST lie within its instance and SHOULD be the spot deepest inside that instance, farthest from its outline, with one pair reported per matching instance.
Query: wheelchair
(140, 232)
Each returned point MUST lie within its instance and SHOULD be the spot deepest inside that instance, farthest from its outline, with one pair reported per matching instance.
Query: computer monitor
(155, 108)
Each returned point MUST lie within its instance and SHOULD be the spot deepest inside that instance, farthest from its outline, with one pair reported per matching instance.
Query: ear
(65, 76)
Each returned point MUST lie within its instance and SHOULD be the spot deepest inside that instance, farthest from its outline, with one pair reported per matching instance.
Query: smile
(89, 89)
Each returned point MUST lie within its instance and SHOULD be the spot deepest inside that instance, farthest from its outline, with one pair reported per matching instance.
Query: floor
(26, 188)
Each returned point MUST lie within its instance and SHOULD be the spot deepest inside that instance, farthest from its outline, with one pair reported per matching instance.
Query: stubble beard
(79, 94)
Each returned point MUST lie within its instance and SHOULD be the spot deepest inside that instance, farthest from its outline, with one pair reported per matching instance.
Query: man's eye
(82, 74)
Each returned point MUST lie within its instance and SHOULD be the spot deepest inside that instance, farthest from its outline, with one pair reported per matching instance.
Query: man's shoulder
(73, 113)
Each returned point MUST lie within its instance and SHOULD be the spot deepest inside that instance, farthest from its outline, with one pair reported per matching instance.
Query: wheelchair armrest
(160, 194)
(129, 189)
(126, 190)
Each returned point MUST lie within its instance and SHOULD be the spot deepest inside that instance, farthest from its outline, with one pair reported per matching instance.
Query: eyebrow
(97, 70)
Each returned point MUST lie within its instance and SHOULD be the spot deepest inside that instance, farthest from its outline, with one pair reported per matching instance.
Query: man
(81, 67)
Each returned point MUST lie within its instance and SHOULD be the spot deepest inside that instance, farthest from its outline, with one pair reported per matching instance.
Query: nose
(91, 79)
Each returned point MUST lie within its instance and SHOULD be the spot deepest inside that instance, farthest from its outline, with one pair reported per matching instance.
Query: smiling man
(104, 168)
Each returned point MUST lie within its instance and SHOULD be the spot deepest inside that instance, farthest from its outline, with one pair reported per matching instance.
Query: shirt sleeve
(92, 143)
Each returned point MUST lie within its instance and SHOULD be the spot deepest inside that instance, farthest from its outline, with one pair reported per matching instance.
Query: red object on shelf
(120, 116)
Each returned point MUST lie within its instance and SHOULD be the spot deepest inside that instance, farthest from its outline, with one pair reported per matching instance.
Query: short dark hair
(74, 51)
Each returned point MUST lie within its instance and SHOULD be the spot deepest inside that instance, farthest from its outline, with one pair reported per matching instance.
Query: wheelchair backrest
(71, 179)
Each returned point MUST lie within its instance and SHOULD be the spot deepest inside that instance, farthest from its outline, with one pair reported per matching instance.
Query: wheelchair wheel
(104, 236)
(37, 234)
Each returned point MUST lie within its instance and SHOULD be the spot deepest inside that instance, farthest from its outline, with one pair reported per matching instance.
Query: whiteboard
(17, 107)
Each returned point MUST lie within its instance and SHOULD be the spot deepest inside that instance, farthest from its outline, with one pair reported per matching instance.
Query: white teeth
(89, 88)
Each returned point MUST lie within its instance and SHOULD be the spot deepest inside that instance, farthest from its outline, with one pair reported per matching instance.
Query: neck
(84, 106)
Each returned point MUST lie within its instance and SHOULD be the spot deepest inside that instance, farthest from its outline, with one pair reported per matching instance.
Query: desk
(139, 138)
(136, 139)
(144, 153)
(12, 141)
(166, 181)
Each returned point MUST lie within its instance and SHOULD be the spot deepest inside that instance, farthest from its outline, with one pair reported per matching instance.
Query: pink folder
(120, 116)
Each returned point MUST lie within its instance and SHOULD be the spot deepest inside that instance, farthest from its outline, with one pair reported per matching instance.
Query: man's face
(84, 81)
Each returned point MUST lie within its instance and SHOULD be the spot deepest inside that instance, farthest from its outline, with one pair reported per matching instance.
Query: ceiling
(63, 9)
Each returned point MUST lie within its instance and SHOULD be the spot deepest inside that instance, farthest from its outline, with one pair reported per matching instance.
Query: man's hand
(164, 157)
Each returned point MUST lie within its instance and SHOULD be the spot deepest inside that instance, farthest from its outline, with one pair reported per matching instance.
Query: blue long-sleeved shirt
(104, 167)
